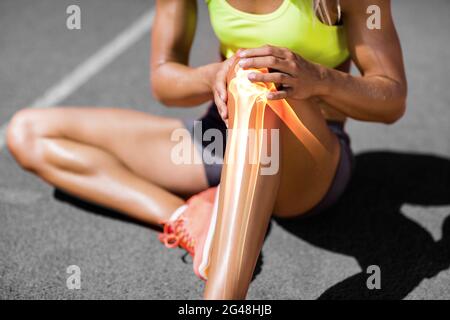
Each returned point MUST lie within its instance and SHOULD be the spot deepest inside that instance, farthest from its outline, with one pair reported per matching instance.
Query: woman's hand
(220, 86)
(295, 77)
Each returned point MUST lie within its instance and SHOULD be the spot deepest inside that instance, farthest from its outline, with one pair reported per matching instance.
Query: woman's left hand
(295, 77)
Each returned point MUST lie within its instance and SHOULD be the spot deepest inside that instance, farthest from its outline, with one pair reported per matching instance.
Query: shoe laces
(176, 234)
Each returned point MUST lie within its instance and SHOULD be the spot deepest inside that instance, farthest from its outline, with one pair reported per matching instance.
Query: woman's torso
(285, 23)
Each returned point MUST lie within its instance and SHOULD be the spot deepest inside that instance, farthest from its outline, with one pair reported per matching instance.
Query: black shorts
(212, 120)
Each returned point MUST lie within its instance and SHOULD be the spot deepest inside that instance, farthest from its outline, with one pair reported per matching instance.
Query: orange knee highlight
(248, 93)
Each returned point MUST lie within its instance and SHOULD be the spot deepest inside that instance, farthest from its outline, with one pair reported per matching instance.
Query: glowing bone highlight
(246, 196)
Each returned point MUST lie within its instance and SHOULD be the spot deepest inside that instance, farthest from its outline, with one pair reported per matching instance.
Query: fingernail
(251, 76)
(242, 62)
(242, 53)
(269, 95)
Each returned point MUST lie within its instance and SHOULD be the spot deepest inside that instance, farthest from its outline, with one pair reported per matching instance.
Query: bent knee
(21, 137)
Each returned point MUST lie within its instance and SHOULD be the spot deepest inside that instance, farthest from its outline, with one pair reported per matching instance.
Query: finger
(224, 111)
(221, 78)
(277, 95)
(275, 77)
(222, 92)
(263, 51)
(221, 86)
(221, 106)
(230, 61)
(238, 52)
(266, 62)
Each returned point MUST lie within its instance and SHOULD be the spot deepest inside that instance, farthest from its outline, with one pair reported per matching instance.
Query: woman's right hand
(220, 86)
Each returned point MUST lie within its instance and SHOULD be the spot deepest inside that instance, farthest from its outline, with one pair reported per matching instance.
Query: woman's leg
(113, 157)
(243, 216)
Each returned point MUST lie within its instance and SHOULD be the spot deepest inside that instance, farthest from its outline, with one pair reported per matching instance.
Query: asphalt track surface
(396, 213)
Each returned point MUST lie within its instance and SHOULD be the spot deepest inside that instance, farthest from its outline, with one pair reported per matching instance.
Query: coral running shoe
(191, 227)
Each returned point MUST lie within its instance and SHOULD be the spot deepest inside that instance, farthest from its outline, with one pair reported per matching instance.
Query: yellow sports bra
(293, 25)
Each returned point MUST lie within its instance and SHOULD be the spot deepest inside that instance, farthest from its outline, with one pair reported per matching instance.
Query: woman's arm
(379, 95)
(173, 82)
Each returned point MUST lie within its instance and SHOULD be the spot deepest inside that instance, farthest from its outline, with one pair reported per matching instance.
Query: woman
(307, 45)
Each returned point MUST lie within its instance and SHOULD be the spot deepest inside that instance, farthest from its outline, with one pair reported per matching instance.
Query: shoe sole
(209, 237)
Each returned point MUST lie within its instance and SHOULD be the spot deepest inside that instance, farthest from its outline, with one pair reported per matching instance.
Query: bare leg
(114, 157)
(241, 227)
(244, 212)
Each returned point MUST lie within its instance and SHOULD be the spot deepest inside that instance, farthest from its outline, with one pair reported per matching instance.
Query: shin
(243, 218)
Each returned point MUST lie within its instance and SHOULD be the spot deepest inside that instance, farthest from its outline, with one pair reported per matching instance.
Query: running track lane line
(94, 64)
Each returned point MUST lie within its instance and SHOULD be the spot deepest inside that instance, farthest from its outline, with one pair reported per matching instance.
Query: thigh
(307, 167)
(142, 142)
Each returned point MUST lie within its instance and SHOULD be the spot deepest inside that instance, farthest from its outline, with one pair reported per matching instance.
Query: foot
(191, 227)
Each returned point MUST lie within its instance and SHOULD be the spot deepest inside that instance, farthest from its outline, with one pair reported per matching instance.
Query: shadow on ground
(63, 196)
(368, 225)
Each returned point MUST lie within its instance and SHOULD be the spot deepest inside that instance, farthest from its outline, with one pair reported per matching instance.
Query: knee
(21, 138)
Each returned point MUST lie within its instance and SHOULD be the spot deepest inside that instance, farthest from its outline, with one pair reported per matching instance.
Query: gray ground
(392, 215)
